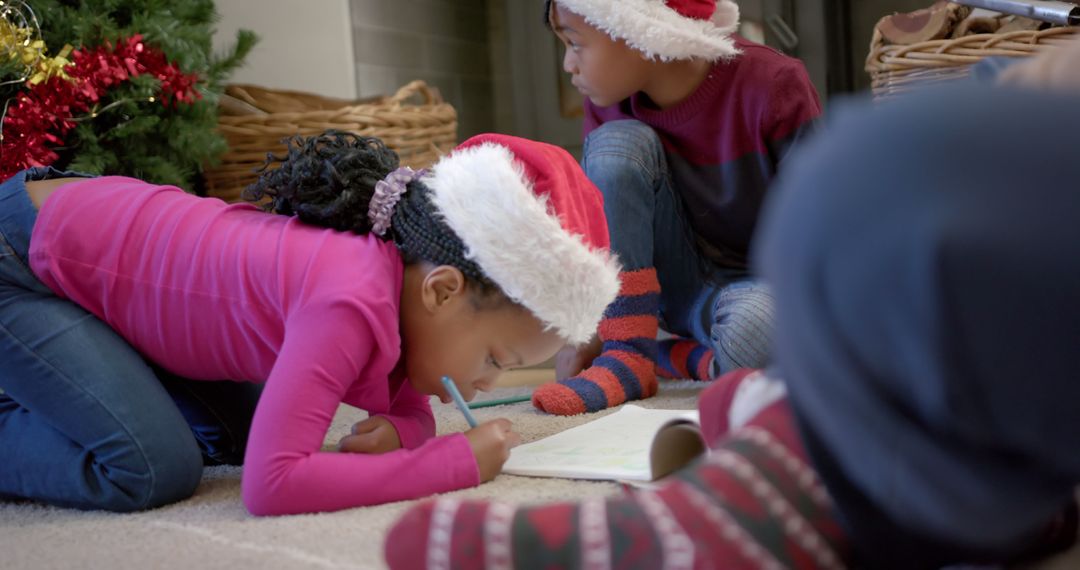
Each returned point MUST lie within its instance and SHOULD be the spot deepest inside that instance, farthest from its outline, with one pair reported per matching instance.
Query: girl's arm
(286, 472)
(410, 413)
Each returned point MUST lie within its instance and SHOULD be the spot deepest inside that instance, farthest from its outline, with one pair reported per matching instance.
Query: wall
(443, 42)
(501, 66)
(362, 48)
(527, 72)
(306, 46)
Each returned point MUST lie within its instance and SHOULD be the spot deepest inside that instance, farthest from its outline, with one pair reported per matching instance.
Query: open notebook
(633, 444)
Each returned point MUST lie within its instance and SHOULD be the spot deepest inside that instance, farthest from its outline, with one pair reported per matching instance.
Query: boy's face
(603, 69)
(447, 332)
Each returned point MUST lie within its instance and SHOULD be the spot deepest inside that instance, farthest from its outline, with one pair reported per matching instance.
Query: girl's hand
(373, 435)
(491, 443)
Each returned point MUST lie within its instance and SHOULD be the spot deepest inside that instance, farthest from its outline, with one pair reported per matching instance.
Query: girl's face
(448, 331)
(603, 69)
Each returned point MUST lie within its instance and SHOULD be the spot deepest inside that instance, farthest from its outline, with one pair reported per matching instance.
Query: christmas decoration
(138, 97)
(43, 116)
(24, 49)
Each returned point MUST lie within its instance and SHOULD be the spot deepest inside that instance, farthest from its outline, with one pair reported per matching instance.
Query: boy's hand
(571, 360)
(373, 435)
(491, 442)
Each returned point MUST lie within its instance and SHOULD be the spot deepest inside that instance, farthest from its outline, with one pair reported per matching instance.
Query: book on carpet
(634, 444)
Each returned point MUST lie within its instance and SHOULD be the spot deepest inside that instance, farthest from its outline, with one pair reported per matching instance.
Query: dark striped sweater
(724, 142)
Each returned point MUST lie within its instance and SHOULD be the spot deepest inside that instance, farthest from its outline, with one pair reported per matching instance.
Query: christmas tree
(114, 86)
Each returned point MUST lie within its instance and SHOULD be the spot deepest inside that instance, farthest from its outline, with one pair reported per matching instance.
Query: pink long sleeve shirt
(211, 291)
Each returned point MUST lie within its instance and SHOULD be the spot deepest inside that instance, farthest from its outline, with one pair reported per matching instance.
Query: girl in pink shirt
(375, 283)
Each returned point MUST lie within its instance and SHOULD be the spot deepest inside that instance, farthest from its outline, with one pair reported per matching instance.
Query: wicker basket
(254, 122)
(896, 69)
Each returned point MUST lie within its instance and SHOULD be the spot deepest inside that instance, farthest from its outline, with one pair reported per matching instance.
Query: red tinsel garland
(39, 119)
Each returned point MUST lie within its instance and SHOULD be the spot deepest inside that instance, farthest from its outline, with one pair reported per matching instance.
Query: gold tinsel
(20, 45)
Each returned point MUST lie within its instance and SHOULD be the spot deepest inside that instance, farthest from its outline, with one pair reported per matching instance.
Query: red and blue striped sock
(679, 358)
(626, 367)
(753, 502)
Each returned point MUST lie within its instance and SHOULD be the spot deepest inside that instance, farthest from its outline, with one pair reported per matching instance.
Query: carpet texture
(212, 529)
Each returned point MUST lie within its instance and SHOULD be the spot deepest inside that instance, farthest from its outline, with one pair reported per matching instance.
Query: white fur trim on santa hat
(486, 199)
(658, 31)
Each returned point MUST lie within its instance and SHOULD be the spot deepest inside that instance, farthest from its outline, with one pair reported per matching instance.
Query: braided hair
(328, 180)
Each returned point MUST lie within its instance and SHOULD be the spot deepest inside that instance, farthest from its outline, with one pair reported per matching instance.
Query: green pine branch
(223, 65)
(166, 144)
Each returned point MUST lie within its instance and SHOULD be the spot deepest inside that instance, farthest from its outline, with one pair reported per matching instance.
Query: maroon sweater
(724, 142)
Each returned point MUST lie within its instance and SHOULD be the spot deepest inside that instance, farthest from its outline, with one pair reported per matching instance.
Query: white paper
(614, 447)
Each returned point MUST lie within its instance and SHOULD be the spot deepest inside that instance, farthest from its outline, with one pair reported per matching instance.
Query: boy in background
(685, 127)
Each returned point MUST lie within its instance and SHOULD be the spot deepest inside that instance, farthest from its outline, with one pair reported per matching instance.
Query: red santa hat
(665, 29)
(534, 224)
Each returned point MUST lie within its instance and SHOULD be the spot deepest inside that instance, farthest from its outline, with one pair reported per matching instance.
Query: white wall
(306, 45)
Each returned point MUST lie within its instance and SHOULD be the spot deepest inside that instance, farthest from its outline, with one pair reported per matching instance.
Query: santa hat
(534, 224)
(665, 29)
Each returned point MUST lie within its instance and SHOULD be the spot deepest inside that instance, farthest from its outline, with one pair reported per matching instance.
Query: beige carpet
(213, 530)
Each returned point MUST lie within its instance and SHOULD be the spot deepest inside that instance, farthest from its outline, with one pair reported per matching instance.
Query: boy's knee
(631, 143)
(742, 327)
(625, 159)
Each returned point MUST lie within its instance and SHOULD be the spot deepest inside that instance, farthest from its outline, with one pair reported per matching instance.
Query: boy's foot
(680, 358)
(626, 367)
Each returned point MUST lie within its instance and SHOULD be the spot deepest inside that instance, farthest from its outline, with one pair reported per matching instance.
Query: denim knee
(160, 470)
(170, 476)
(622, 148)
(179, 476)
(742, 321)
(169, 479)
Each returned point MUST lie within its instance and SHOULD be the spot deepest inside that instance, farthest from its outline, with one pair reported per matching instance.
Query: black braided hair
(419, 231)
(547, 12)
(325, 180)
(328, 180)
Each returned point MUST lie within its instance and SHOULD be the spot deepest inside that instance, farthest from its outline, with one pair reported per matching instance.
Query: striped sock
(752, 502)
(626, 367)
(680, 358)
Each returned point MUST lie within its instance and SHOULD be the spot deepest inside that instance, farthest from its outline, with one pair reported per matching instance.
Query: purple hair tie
(388, 192)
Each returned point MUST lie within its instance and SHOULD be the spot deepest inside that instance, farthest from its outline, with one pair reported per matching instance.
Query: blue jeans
(728, 310)
(85, 421)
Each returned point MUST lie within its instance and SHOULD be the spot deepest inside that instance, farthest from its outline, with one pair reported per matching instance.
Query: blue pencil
(451, 389)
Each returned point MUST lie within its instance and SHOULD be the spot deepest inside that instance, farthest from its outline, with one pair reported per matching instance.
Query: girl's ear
(442, 287)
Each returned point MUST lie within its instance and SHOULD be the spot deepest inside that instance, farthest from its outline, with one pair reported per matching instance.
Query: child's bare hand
(571, 360)
(373, 435)
(491, 442)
